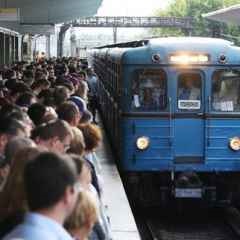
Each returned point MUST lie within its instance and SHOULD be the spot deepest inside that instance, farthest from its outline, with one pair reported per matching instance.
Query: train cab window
(226, 91)
(189, 91)
(149, 90)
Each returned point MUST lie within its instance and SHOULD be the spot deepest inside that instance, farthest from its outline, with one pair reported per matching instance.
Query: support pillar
(187, 32)
(61, 37)
(73, 43)
(7, 49)
(48, 46)
(115, 35)
(216, 31)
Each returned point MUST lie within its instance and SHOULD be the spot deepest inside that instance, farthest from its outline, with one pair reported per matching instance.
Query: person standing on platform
(92, 81)
(51, 190)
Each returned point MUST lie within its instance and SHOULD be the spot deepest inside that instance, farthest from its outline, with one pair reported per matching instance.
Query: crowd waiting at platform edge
(50, 177)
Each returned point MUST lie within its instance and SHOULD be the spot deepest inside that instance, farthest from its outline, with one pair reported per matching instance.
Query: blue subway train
(171, 107)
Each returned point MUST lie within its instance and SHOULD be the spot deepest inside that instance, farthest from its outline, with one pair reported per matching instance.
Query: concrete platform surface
(122, 221)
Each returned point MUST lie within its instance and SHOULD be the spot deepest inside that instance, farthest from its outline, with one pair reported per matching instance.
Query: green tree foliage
(195, 9)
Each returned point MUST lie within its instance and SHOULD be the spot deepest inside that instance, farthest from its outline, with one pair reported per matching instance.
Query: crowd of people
(50, 183)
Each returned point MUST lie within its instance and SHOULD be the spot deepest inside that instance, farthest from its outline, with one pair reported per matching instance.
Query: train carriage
(172, 109)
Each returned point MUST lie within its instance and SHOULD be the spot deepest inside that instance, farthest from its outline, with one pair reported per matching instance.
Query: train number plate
(188, 193)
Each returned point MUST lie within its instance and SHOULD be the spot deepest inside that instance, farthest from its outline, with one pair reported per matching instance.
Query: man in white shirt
(51, 189)
(189, 91)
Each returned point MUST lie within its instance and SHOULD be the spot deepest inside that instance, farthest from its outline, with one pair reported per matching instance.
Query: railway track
(221, 224)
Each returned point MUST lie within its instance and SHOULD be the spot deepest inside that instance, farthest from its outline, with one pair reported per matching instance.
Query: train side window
(149, 90)
(189, 91)
(226, 90)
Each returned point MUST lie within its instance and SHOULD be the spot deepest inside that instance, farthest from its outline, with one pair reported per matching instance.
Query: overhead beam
(143, 22)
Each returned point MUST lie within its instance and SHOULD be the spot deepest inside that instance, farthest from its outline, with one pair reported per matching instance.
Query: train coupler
(188, 185)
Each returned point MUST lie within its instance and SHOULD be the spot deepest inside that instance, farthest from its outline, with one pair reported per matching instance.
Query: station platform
(122, 220)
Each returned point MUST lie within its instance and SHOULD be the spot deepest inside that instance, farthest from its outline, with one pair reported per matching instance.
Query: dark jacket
(9, 223)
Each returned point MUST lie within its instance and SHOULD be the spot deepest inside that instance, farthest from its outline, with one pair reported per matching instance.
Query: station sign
(9, 14)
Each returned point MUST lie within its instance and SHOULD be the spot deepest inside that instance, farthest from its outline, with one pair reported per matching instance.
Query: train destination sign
(183, 58)
(189, 104)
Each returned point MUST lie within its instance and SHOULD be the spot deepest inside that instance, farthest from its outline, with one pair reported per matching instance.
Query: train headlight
(234, 143)
(143, 143)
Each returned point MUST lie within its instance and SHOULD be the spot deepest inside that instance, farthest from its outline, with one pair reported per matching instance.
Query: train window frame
(135, 99)
(195, 105)
(228, 105)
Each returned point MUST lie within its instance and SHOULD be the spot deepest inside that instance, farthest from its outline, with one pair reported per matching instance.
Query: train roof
(141, 52)
(173, 43)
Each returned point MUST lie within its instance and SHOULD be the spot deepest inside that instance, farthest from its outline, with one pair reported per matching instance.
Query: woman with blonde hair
(13, 203)
(84, 216)
(101, 230)
(77, 144)
(82, 90)
(92, 137)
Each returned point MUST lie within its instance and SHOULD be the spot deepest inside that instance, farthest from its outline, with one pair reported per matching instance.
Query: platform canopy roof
(226, 15)
(38, 13)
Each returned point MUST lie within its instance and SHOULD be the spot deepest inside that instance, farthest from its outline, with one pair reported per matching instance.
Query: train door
(188, 120)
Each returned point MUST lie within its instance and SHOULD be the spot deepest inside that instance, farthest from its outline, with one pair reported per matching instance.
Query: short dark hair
(20, 88)
(55, 128)
(82, 73)
(9, 74)
(20, 116)
(28, 73)
(46, 179)
(11, 126)
(14, 146)
(41, 83)
(10, 84)
(25, 99)
(60, 95)
(67, 111)
(46, 93)
(65, 83)
(36, 112)
(9, 109)
(38, 74)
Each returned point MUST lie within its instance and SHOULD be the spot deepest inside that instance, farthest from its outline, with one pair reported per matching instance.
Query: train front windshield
(189, 91)
(226, 91)
(149, 90)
